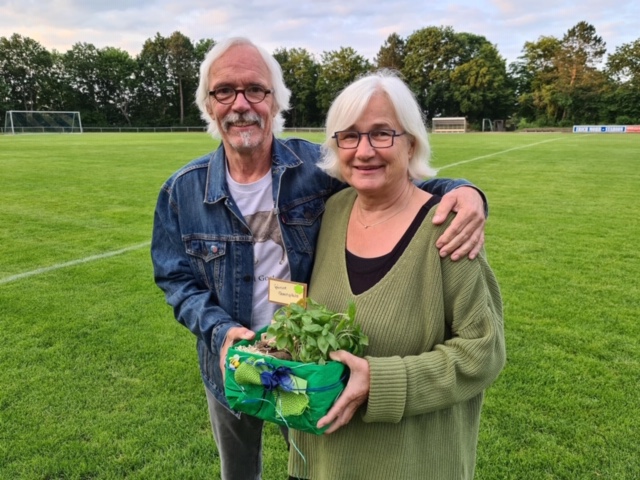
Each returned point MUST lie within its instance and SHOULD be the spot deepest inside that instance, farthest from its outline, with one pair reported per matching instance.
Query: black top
(364, 273)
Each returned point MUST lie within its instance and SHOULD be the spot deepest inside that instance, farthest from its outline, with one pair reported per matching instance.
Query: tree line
(554, 82)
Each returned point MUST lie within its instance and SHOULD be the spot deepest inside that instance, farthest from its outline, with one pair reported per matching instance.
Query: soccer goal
(487, 125)
(40, 121)
(448, 125)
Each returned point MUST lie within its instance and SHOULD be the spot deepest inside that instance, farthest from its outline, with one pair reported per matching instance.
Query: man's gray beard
(245, 137)
(246, 141)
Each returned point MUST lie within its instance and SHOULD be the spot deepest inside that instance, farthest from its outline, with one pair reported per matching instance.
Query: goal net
(37, 121)
(448, 125)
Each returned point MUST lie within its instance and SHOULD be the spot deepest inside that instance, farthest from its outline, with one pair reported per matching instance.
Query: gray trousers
(239, 441)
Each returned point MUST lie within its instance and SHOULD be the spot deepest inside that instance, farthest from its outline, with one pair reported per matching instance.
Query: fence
(147, 129)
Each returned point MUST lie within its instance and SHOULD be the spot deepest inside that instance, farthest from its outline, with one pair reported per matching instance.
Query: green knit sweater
(436, 342)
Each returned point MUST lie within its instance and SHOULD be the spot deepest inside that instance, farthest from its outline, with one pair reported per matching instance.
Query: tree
(482, 87)
(81, 76)
(155, 92)
(456, 74)
(555, 80)
(201, 48)
(300, 72)
(534, 73)
(624, 64)
(100, 83)
(57, 91)
(116, 84)
(182, 68)
(391, 54)
(580, 83)
(432, 54)
(623, 68)
(25, 68)
(167, 69)
(338, 69)
(560, 80)
(5, 96)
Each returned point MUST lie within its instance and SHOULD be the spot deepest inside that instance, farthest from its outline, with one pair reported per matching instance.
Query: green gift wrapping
(293, 394)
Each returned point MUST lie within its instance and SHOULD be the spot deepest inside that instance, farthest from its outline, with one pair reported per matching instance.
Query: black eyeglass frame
(236, 91)
(368, 134)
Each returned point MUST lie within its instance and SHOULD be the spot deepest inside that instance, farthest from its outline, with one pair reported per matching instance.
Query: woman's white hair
(347, 108)
(281, 94)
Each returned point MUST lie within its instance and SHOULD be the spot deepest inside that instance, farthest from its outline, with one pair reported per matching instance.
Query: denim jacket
(202, 248)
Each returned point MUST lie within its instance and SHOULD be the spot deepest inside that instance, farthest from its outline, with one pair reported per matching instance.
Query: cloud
(317, 25)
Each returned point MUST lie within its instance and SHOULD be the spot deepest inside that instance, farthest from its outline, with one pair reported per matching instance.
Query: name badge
(285, 292)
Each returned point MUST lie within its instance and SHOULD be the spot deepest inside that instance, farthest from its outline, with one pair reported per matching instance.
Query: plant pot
(293, 394)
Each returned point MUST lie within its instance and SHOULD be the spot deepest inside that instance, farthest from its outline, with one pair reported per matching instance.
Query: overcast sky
(317, 25)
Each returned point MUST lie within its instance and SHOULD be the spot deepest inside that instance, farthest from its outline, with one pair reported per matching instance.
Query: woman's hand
(465, 235)
(354, 395)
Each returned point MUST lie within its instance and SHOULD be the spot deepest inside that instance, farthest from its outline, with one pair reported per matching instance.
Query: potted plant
(286, 376)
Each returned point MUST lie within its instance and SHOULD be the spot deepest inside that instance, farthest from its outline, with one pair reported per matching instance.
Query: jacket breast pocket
(303, 221)
(207, 259)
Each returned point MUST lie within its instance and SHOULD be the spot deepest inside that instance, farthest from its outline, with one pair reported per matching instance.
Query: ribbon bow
(280, 377)
(288, 390)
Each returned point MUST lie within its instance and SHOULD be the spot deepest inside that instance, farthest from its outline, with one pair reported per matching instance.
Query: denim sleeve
(442, 186)
(192, 304)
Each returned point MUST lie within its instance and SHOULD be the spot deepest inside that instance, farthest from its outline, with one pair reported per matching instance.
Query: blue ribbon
(280, 377)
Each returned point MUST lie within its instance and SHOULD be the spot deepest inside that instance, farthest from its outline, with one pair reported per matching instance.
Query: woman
(411, 408)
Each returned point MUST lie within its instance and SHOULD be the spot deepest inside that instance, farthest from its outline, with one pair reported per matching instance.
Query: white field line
(92, 258)
(58, 266)
(497, 153)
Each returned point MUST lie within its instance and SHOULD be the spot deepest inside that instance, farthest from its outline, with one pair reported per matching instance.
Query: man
(251, 210)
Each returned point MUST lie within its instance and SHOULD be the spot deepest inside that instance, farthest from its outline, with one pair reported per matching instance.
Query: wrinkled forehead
(241, 65)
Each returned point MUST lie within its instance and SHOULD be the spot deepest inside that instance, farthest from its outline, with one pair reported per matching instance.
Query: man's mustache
(241, 119)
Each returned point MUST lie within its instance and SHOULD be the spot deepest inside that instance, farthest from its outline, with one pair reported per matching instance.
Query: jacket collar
(281, 158)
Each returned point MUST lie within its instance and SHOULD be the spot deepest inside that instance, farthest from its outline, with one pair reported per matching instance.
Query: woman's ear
(412, 145)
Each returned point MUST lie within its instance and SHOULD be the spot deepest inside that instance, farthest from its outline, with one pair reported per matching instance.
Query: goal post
(41, 121)
(448, 125)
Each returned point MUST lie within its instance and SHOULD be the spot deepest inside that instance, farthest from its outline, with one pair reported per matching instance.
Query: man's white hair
(281, 94)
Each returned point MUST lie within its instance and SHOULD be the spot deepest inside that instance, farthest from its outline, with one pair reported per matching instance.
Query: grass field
(97, 381)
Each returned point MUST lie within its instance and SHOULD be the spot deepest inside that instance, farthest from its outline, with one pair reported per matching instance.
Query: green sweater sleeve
(459, 368)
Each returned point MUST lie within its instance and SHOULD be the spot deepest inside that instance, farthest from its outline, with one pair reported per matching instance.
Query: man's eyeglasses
(227, 95)
(380, 138)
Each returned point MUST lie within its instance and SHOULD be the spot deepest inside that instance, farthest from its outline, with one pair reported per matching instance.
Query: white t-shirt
(255, 201)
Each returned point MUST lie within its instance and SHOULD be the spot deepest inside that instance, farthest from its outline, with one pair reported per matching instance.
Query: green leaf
(351, 311)
(323, 345)
(333, 342)
(312, 328)
(281, 343)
